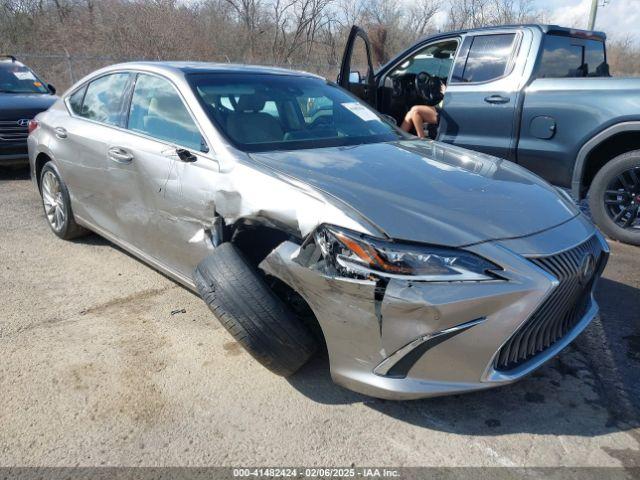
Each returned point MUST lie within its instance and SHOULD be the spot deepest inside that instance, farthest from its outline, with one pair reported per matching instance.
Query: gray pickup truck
(538, 95)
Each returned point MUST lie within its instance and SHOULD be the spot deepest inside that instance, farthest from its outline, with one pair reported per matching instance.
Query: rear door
(479, 111)
(556, 114)
(81, 146)
(356, 70)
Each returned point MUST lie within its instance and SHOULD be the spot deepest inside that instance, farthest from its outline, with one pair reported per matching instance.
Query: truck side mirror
(51, 88)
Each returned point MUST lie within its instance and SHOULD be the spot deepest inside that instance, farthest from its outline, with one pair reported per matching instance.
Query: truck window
(436, 59)
(488, 57)
(564, 57)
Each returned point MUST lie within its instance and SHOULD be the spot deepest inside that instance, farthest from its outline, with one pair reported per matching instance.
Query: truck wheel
(57, 205)
(614, 198)
(241, 300)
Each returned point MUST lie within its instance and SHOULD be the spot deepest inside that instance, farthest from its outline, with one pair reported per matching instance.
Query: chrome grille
(10, 131)
(561, 311)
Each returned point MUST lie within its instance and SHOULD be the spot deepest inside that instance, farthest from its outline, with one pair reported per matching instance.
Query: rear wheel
(57, 205)
(614, 198)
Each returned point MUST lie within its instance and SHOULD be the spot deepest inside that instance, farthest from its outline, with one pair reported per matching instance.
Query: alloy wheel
(622, 199)
(53, 201)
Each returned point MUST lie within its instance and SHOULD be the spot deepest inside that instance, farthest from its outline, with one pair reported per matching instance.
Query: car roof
(546, 28)
(10, 60)
(186, 67)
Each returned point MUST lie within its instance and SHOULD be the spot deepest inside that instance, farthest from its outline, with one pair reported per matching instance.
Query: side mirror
(51, 88)
(354, 77)
(186, 156)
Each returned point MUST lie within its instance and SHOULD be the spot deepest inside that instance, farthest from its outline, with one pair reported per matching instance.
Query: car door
(396, 82)
(80, 143)
(356, 70)
(479, 110)
(165, 177)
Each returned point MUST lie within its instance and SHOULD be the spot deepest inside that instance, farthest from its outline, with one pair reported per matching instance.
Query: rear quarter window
(569, 57)
(75, 100)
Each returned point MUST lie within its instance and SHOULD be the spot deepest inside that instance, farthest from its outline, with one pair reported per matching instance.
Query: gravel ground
(95, 370)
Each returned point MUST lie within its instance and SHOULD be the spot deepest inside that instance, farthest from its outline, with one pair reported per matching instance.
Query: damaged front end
(404, 320)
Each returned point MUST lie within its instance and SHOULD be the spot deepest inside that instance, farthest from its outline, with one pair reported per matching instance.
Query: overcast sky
(618, 18)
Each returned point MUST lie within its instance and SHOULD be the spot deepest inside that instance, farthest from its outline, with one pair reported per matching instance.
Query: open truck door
(356, 69)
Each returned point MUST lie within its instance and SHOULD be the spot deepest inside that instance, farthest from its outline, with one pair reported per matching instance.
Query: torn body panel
(344, 307)
(177, 212)
(206, 199)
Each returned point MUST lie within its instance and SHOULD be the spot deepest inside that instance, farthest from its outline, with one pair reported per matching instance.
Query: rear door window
(564, 57)
(489, 57)
(75, 100)
(103, 99)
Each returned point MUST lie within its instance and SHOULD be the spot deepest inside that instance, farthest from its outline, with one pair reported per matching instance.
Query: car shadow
(620, 332)
(93, 239)
(14, 173)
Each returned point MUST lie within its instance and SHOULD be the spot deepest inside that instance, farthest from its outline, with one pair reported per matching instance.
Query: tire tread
(248, 309)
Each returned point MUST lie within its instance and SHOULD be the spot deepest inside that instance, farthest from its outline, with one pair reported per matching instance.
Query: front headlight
(357, 254)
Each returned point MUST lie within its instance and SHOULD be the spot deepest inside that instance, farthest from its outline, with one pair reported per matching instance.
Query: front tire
(614, 198)
(251, 312)
(57, 205)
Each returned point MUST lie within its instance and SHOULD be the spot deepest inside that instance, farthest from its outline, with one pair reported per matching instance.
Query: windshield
(16, 78)
(264, 112)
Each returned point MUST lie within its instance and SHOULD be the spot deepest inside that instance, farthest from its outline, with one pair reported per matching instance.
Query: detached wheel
(245, 305)
(57, 205)
(614, 198)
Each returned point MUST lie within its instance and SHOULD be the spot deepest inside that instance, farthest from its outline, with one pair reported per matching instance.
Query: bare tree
(420, 16)
(248, 12)
(479, 13)
(310, 34)
(623, 56)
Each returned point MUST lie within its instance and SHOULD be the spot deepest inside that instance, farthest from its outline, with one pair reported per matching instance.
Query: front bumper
(420, 339)
(13, 154)
(13, 143)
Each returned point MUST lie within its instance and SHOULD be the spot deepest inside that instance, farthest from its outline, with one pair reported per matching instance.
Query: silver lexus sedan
(305, 220)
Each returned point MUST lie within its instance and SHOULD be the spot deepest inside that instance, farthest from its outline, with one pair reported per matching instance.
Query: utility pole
(592, 14)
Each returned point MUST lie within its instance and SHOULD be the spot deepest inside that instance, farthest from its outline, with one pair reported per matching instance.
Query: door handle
(119, 155)
(60, 132)
(496, 99)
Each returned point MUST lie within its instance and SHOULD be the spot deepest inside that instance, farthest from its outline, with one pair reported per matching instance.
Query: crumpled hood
(16, 106)
(428, 191)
